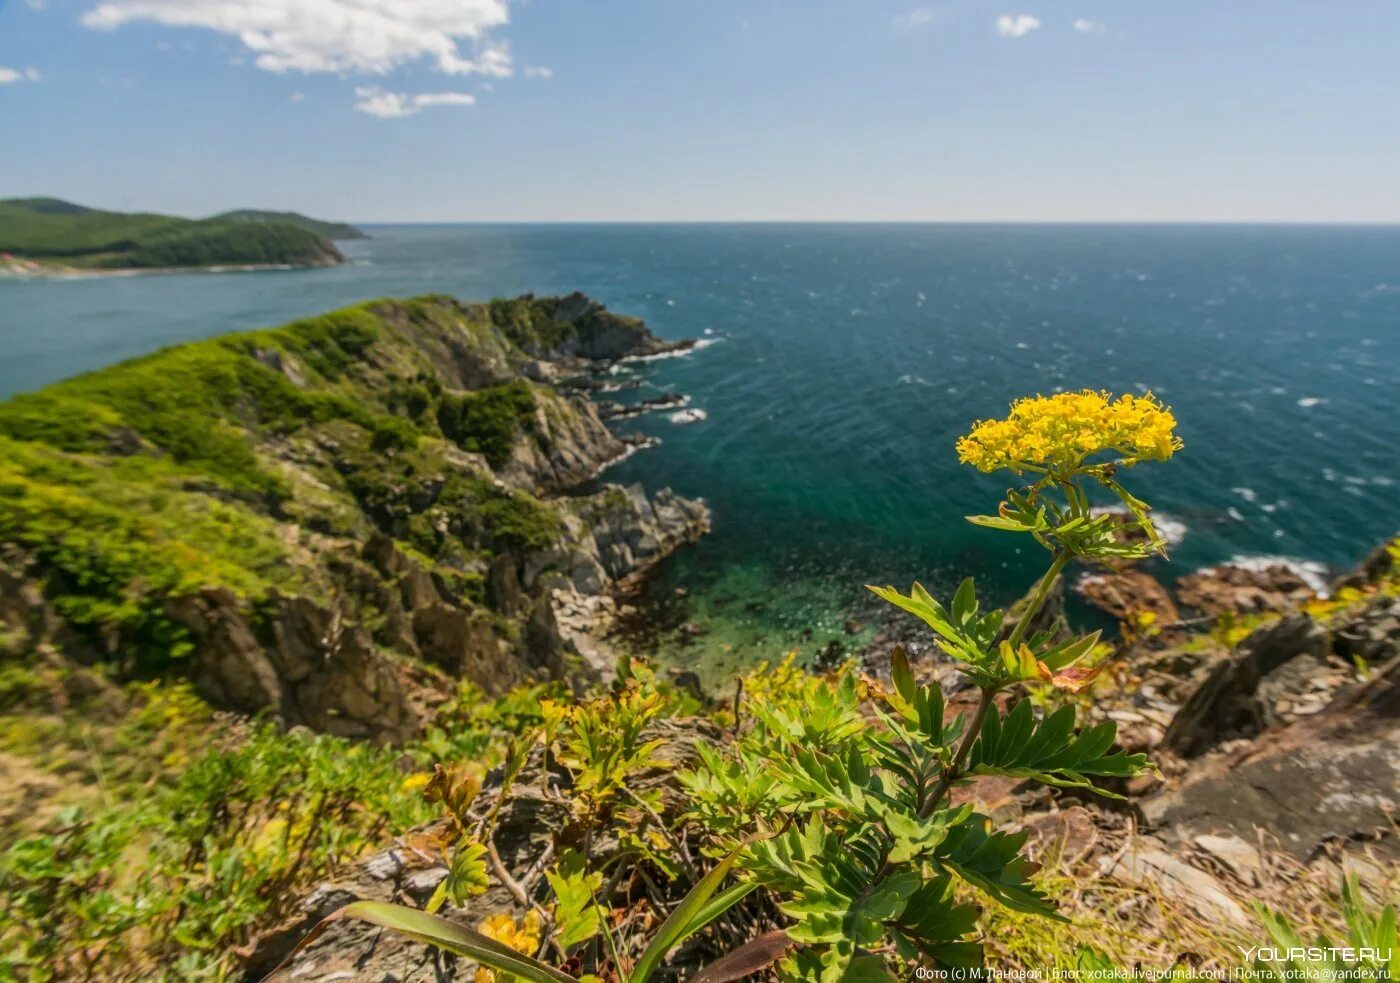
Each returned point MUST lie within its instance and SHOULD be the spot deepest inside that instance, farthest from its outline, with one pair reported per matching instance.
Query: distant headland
(48, 236)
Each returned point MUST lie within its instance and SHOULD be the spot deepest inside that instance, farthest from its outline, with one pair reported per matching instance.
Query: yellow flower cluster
(1058, 432)
(522, 936)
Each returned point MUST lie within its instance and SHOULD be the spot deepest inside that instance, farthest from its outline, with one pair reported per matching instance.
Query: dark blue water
(849, 358)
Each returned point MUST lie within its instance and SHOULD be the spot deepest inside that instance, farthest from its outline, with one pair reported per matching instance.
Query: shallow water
(846, 359)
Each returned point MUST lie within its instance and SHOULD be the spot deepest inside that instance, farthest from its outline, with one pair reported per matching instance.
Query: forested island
(47, 235)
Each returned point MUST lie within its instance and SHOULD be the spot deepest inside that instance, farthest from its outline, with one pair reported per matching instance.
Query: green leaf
(681, 923)
(721, 903)
(467, 874)
(965, 602)
(1050, 752)
(934, 923)
(434, 930)
(576, 915)
(915, 837)
(998, 522)
(992, 861)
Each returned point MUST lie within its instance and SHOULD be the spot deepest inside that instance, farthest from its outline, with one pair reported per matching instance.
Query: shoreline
(17, 269)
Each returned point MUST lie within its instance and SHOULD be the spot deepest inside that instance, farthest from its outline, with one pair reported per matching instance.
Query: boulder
(1229, 704)
(1233, 589)
(1331, 776)
(1124, 593)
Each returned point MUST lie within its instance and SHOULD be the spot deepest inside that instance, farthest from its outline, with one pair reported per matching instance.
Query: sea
(839, 363)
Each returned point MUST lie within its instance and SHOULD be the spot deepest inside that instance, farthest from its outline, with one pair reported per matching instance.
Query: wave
(694, 415)
(1316, 575)
(672, 353)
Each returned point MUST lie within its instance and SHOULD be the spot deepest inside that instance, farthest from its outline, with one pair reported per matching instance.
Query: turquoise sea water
(846, 359)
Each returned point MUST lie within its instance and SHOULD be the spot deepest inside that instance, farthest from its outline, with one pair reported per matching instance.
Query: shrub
(488, 421)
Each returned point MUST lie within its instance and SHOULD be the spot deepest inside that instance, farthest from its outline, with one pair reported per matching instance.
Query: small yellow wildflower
(1058, 432)
(416, 782)
(522, 936)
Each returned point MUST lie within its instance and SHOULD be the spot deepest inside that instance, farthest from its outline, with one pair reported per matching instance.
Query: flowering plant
(833, 797)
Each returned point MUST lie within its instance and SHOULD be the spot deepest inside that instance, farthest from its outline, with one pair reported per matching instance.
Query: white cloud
(391, 105)
(297, 97)
(373, 36)
(920, 17)
(1017, 25)
(538, 72)
(1085, 26)
(9, 75)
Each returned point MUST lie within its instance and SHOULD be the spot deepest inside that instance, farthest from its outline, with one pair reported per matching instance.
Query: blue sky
(444, 110)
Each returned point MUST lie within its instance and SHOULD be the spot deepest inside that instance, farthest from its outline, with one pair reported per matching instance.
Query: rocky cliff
(337, 520)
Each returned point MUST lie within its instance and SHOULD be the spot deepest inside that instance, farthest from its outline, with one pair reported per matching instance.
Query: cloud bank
(367, 36)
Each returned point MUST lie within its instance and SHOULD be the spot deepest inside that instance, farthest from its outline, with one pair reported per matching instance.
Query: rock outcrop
(1331, 776)
(1234, 589)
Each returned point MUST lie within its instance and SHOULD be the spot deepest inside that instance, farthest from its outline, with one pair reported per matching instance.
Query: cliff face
(335, 520)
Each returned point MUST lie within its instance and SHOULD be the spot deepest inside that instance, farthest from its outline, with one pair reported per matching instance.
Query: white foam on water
(1311, 572)
(1308, 401)
(694, 415)
(1248, 494)
(674, 353)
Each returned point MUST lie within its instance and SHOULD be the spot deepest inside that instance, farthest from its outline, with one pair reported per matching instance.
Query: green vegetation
(530, 323)
(185, 843)
(330, 230)
(63, 234)
(489, 421)
(171, 473)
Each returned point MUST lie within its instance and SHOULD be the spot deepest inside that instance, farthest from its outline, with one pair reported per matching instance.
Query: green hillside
(59, 233)
(331, 230)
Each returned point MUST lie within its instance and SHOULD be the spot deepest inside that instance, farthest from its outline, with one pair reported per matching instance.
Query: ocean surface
(843, 362)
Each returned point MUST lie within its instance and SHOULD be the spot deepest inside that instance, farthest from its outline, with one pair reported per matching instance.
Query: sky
(708, 110)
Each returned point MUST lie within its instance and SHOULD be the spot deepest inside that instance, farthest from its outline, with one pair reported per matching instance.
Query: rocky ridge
(338, 520)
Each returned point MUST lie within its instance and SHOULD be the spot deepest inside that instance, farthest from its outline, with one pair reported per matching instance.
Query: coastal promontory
(47, 235)
(338, 521)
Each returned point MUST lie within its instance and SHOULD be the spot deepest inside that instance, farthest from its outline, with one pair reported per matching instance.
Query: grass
(1139, 926)
(193, 833)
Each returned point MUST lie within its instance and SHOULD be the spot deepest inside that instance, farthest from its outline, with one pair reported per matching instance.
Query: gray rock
(1146, 863)
(1332, 776)
(1228, 704)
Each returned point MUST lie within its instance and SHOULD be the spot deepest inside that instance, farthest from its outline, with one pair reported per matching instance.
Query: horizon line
(1331, 223)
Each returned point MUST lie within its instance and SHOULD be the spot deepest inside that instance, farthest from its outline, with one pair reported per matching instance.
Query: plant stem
(945, 781)
(1038, 598)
